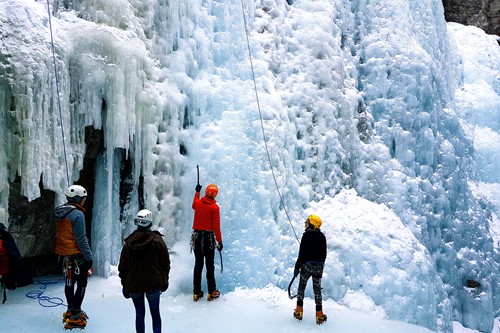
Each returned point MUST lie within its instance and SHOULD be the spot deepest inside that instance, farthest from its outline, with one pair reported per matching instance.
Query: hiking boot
(298, 313)
(213, 295)
(320, 317)
(197, 297)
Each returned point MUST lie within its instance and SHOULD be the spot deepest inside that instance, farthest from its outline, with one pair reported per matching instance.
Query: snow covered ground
(243, 310)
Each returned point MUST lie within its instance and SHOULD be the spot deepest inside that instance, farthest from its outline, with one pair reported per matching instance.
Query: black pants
(316, 271)
(203, 243)
(76, 273)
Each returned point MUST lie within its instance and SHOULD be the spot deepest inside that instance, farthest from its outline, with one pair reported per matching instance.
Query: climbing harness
(201, 234)
(57, 91)
(71, 265)
(262, 123)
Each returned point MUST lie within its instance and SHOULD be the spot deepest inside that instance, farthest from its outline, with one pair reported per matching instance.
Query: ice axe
(221, 264)
(290, 287)
(198, 171)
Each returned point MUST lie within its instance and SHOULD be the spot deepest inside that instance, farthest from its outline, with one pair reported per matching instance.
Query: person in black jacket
(17, 274)
(311, 260)
(144, 268)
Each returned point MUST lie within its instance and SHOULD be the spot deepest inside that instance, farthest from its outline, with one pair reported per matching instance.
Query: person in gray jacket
(73, 247)
(144, 268)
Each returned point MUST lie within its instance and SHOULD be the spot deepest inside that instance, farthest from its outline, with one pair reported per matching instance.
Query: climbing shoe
(197, 297)
(320, 317)
(213, 295)
(298, 313)
(76, 320)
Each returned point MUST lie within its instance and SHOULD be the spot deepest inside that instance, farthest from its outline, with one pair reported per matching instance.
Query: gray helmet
(144, 218)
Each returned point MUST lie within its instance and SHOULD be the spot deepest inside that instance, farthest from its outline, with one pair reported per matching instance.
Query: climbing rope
(262, 122)
(45, 301)
(57, 90)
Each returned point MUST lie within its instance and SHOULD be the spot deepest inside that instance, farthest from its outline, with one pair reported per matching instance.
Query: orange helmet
(211, 190)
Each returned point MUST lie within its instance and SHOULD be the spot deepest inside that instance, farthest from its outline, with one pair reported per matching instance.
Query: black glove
(220, 247)
(164, 288)
(87, 265)
(125, 294)
(198, 188)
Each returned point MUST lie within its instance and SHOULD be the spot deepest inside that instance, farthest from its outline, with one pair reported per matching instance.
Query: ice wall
(352, 94)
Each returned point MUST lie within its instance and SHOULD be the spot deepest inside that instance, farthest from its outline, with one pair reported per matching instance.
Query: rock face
(32, 227)
(32, 224)
(484, 14)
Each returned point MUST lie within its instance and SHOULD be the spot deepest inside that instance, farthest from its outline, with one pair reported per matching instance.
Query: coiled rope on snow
(45, 301)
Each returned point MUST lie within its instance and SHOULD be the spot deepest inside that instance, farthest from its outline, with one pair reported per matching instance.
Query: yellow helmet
(315, 221)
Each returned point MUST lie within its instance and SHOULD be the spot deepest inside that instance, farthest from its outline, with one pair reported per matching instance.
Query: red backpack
(4, 259)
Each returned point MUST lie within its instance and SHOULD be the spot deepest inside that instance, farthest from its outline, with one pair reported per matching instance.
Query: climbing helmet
(211, 190)
(315, 221)
(144, 218)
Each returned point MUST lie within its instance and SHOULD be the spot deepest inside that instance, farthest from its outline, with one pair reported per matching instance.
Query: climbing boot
(197, 297)
(76, 320)
(320, 317)
(298, 313)
(213, 295)
(66, 315)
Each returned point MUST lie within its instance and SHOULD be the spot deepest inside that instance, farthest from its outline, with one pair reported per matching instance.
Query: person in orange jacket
(206, 233)
(73, 247)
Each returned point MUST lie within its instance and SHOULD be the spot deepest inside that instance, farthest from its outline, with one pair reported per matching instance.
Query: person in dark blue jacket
(311, 260)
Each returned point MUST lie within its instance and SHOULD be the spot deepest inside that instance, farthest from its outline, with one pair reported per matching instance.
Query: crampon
(197, 297)
(320, 317)
(76, 321)
(298, 313)
(213, 295)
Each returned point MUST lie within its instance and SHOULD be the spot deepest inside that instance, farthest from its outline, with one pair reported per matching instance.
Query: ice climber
(311, 260)
(206, 232)
(144, 269)
(73, 248)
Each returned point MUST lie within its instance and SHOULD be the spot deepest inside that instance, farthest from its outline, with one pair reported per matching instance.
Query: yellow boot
(197, 297)
(320, 317)
(298, 313)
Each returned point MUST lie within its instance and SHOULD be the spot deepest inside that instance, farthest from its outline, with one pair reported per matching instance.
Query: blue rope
(45, 301)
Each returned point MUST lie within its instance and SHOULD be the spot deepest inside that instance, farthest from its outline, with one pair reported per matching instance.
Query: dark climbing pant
(153, 298)
(76, 274)
(316, 271)
(203, 243)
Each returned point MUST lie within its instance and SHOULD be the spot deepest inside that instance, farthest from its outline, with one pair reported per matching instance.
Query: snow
(244, 310)
(409, 199)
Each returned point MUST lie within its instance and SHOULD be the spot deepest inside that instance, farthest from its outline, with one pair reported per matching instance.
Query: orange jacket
(206, 215)
(70, 231)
